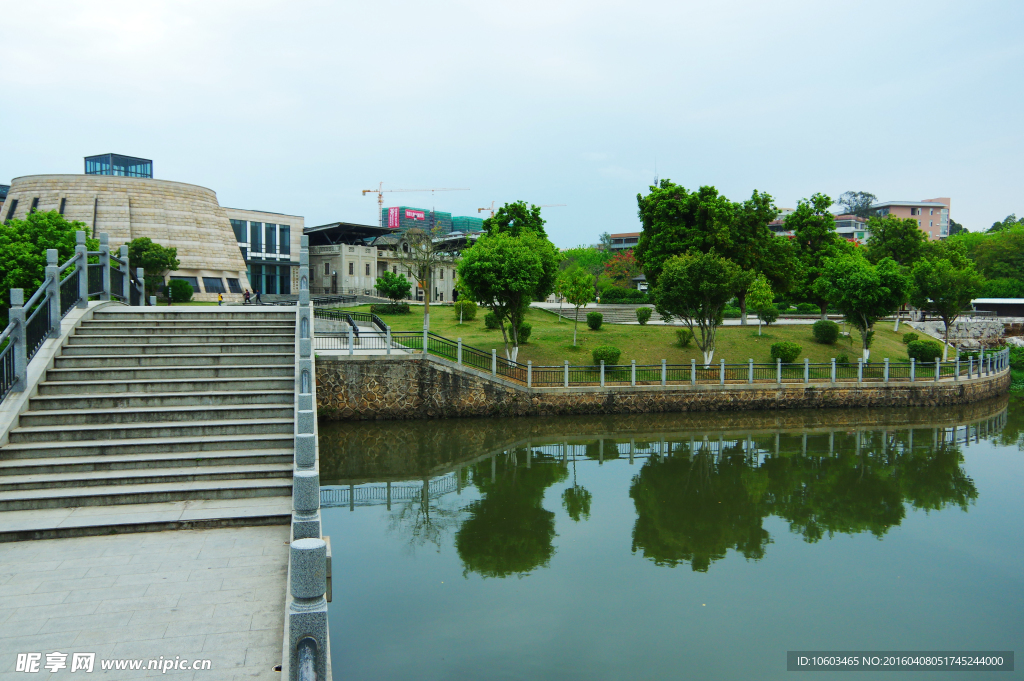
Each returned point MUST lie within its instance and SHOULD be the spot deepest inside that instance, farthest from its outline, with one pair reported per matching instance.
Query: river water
(664, 546)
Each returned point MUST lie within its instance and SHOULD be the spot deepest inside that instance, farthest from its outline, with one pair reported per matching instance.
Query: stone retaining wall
(413, 387)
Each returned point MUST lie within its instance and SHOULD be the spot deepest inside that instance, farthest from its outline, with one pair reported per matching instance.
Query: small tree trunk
(945, 346)
(561, 300)
(708, 356)
(758, 325)
(742, 298)
(574, 325)
(824, 310)
(896, 327)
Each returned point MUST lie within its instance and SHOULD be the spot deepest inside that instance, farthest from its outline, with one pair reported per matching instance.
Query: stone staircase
(612, 314)
(157, 419)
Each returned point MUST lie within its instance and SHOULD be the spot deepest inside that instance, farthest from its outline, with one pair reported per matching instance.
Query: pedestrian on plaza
(246, 296)
(220, 299)
(258, 301)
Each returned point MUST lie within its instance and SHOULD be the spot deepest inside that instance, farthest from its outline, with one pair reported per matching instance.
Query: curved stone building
(172, 214)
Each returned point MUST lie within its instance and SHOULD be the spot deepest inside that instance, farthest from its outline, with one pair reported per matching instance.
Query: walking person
(220, 299)
(258, 301)
(246, 297)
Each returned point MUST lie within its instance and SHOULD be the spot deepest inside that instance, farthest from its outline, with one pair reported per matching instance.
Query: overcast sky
(294, 107)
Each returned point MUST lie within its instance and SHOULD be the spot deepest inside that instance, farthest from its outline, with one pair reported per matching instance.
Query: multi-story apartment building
(932, 215)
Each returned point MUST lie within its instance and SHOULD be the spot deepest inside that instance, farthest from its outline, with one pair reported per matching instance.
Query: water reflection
(705, 483)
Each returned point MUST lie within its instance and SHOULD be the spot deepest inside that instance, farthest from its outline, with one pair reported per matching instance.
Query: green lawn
(550, 343)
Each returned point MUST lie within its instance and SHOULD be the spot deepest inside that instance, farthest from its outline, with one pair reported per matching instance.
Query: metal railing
(33, 321)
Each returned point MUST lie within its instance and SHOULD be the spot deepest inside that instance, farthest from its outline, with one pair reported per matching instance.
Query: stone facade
(359, 388)
(173, 214)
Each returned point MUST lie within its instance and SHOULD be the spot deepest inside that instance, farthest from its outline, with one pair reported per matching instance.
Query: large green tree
(901, 239)
(506, 272)
(393, 286)
(857, 203)
(578, 289)
(1009, 222)
(946, 284)
(514, 218)
(815, 241)
(1001, 254)
(23, 245)
(695, 288)
(863, 292)
(154, 259)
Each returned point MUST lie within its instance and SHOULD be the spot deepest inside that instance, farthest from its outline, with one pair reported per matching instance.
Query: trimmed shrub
(491, 321)
(594, 320)
(825, 332)
(684, 336)
(466, 308)
(924, 351)
(787, 351)
(730, 312)
(781, 307)
(808, 308)
(769, 315)
(843, 359)
(643, 315)
(618, 294)
(525, 329)
(609, 353)
(909, 338)
(179, 291)
(395, 308)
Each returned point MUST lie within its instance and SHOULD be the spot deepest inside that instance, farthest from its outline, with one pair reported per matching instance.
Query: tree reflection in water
(425, 521)
(710, 497)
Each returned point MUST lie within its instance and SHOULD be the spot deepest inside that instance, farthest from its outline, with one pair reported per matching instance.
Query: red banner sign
(393, 217)
(415, 215)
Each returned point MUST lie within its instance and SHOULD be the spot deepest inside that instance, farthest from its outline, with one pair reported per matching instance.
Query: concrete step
(124, 447)
(83, 361)
(185, 323)
(75, 417)
(193, 473)
(94, 347)
(165, 400)
(210, 315)
(58, 523)
(115, 373)
(158, 430)
(135, 461)
(115, 329)
(196, 337)
(155, 492)
(164, 385)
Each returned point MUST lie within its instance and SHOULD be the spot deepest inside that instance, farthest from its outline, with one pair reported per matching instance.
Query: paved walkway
(213, 594)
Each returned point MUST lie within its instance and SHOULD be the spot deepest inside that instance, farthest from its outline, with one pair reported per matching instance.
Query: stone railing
(64, 288)
(306, 644)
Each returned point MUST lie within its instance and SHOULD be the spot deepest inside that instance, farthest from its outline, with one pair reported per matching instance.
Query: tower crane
(380, 191)
(492, 209)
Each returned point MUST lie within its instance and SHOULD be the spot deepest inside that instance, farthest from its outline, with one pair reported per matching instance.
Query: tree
(1009, 222)
(857, 203)
(605, 239)
(695, 288)
(578, 290)
(515, 218)
(393, 287)
(154, 259)
(505, 273)
(955, 227)
(999, 255)
(863, 292)
(946, 285)
(419, 254)
(760, 297)
(815, 239)
(903, 240)
(621, 268)
(23, 245)
(589, 258)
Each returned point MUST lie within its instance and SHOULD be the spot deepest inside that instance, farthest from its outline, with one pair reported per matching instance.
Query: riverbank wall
(417, 386)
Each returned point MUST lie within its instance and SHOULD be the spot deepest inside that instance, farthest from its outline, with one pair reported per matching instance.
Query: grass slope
(550, 343)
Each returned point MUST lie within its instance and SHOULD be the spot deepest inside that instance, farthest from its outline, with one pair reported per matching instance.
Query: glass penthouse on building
(116, 164)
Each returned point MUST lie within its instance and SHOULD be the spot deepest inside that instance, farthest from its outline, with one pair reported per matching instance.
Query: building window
(234, 286)
(214, 285)
(245, 254)
(931, 223)
(367, 269)
(63, 202)
(286, 240)
(115, 164)
(256, 236)
(191, 281)
(35, 205)
(239, 228)
(271, 238)
(394, 269)
(327, 269)
(351, 269)
(10, 211)
(931, 211)
(442, 273)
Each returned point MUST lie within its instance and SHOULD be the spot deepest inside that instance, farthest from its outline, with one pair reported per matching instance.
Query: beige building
(269, 244)
(932, 215)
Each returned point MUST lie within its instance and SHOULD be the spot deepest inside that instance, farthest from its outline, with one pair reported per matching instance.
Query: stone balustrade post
(970, 367)
(938, 368)
(53, 292)
(529, 368)
(721, 372)
(566, 373)
(19, 338)
(387, 340)
(602, 373)
(913, 367)
(956, 369)
(664, 372)
(778, 370)
(82, 265)
(152, 301)
(305, 504)
(351, 341)
(807, 370)
(494, 362)
(305, 313)
(632, 373)
(885, 376)
(105, 265)
(426, 344)
(126, 280)
(860, 370)
(140, 277)
(750, 370)
(693, 372)
(833, 371)
(458, 352)
(307, 613)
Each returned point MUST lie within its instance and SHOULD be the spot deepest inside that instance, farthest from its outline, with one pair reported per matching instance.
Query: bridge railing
(64, 287)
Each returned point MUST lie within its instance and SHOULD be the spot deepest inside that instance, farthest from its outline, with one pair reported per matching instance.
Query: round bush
(843, 359)
(769, 315)
(466, 308)
(594, 320)
(179, 291)
(924, 351)
(825, 332)
(525, 329)
(808, 308)
(609, 353)
(909, 338)
(391, 308)
(781, 307)
(730, 312)
(787, 351)
(684, 336)
(643, 315)
(491, 321)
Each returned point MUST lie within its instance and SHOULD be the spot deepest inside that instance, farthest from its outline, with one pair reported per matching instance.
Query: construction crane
(380, 191)
(492, 209)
